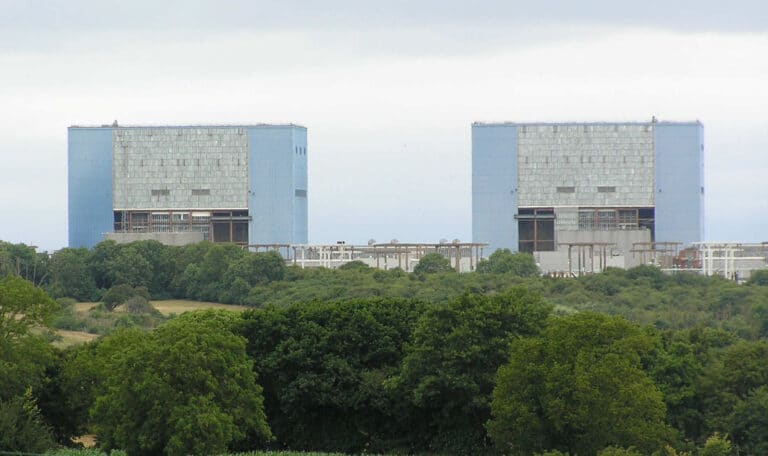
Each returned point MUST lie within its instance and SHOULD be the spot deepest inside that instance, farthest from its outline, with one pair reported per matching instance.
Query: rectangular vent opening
(301, 192)
(566, 189)
(161, 192)
(606, 189)
(201, 191)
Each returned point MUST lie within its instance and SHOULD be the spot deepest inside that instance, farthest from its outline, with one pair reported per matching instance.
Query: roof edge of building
(598, 123)
(257, 125)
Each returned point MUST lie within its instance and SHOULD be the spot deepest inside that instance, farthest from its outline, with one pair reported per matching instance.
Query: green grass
(84, 321)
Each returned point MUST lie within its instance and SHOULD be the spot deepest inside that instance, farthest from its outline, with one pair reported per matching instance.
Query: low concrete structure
(463, 256)
(177, 239)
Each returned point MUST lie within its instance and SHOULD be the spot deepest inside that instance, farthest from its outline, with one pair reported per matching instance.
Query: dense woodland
(499, 361)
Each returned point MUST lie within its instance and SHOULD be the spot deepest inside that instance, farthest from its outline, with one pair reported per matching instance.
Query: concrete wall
(679, 182)
(557, 262)
(579, 158)
(198, 167)
(623, 241)
(177, 239)
(276, 170)
(89, 156)
(494, 186)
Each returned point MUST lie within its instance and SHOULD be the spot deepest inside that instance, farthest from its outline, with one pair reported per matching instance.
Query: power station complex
(572, 193)
(245, 184)
(578, 196)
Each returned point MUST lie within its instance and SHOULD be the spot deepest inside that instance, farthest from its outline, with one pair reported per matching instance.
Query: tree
(22, 306)
(450, 367)
(578, 387)
(432, 263)
(250, 270)
(730, 378)
(758, 277)
(120, 294)
(749, 422)
(130, 268)
(21, 426)
(205, 281)
(102, 255)
(161, 259)
(355, 265)
(503, 261)
(717, 445)
(325, 367)
(186, 388)
(22, 260)
(24, 361)
(71, 276)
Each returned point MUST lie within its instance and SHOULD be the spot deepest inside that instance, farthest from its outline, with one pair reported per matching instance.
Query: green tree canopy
(451, 363)
(503, 261)
(749, 422)
(71, 276)
(186, 388)
(22, 306)
(21, 426)
(578, 387)
(759, 277)
(432, 263)
(324, 368)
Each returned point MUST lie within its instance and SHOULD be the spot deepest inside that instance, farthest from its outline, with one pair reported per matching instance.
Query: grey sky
(388, 91)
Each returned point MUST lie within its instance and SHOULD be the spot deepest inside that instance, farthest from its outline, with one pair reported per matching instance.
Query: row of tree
(226, 273)
(204, 271)
(475, 374)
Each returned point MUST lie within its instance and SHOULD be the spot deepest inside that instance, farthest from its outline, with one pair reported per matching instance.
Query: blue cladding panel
(494, 186)
(679, 196)
(275, 173)
(300, 203)
(89, 185)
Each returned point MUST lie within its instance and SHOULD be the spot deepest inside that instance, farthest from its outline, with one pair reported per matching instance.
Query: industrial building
(583, 196)
(239, 183)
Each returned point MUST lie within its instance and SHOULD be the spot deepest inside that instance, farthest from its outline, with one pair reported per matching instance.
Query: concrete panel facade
(679, 182)
(89, 190)
(180, 167)
(494, 186)
(177, 239)
(585, 165)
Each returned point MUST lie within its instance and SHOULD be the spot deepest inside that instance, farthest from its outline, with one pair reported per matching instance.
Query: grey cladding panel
(585, 165)
(194, 168)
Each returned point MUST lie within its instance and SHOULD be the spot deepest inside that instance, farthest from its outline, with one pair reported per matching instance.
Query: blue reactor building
(245, 184)
(537, 187)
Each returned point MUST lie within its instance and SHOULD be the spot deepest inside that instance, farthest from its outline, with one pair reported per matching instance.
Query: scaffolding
(724, 259)
(463, 256)
(585, 256)
(660, 254)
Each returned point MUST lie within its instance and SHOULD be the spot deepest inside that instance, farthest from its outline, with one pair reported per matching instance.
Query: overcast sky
(388, 91)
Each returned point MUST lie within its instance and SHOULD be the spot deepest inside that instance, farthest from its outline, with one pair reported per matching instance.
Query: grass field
(73, 338)
(179, 306)
(107, 319)
(171, 306)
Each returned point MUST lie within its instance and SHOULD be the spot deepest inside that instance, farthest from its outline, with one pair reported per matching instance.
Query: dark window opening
(536, 230)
